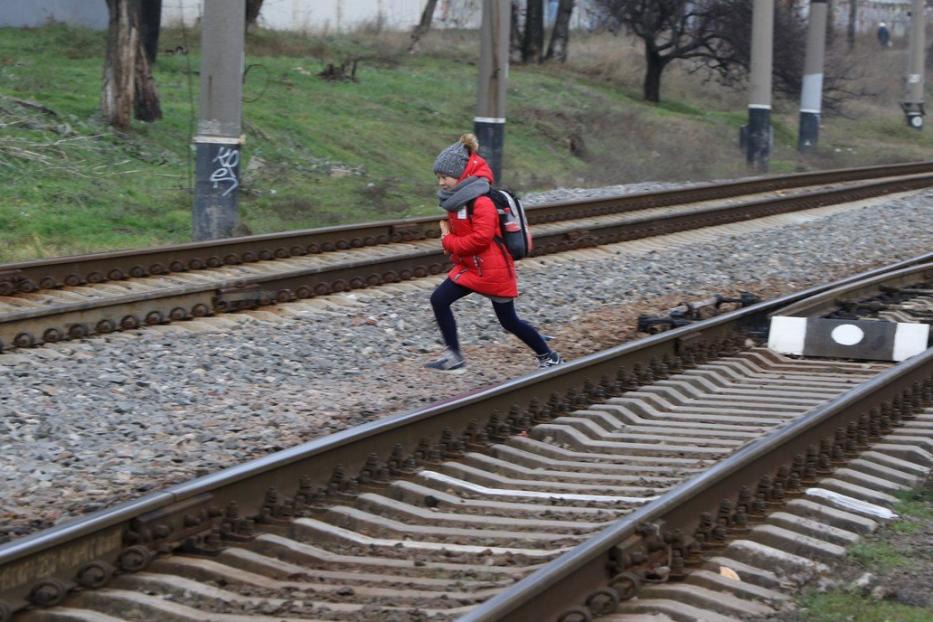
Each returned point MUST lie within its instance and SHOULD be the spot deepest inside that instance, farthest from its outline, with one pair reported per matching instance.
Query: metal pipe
(489, 123)
(219, 139)
(811, 94)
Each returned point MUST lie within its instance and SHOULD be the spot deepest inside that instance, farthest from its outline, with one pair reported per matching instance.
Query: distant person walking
(471, 236)
(884, 35)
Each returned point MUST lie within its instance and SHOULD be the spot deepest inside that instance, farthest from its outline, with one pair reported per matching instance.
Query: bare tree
(830, 22)
(150, 22)
(560, 35)
(789, 46)
(840, 77)
(674, 30)
(516, 39)
(853, 19)
(427, 15)
(533, 42)
(127, 85)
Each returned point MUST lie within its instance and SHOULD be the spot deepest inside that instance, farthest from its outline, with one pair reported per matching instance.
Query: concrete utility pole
(218, 141)
(758, 130)
(811, 95)
(913, 103)
(489, 123)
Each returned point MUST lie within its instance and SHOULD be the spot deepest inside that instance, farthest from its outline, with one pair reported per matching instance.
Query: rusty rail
(54, 322)
(581, 580)
(31, 276)
(40, 570)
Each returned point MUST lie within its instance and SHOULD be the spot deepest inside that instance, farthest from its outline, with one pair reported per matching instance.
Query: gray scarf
(462, 193)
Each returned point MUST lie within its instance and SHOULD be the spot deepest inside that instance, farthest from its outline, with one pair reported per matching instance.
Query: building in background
(296, 15)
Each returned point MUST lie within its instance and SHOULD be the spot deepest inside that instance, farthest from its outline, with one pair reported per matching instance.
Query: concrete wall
(894, 13)
(300, 15)
(31, 13)
(337, 15)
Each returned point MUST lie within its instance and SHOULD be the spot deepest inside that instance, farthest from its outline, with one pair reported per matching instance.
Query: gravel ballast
(86, 424)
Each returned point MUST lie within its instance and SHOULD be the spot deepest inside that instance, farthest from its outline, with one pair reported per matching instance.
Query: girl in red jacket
(482, 264)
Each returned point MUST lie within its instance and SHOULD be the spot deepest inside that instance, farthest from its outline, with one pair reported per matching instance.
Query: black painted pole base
(758, 138)
(809, 134)
(914, 114)
(491, 136)
(217, 183)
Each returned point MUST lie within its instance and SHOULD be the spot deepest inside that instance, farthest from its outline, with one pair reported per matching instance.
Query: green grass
(322, 153)
(878, 556)
(914, 507)
(890, 556)
(842, 607)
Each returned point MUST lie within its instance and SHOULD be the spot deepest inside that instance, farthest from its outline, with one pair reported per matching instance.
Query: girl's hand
(445, 230)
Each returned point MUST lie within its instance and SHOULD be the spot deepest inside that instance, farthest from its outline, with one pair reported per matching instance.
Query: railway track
(616, 486)
(74, 297)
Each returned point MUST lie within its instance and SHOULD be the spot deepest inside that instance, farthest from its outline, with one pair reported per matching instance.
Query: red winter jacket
(480, 263)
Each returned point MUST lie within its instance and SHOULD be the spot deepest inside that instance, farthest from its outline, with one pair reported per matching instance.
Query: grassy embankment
(900, 556)
(321, 153)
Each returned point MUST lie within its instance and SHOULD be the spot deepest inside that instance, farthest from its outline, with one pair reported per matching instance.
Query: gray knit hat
(452, 161)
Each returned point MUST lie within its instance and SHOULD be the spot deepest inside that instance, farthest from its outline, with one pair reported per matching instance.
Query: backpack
(516, 236)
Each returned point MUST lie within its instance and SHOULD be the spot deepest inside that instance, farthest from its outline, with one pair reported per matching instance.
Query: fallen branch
(33, 106)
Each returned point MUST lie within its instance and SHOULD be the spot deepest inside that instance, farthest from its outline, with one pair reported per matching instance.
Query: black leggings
(449, 292)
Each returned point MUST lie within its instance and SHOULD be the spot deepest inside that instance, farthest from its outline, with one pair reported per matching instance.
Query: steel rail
(126, 534)
(821, 304)
(544, 595)
(29, 327)
(31, 276)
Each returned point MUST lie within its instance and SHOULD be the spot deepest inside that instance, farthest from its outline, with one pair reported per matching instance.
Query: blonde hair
(470, 142)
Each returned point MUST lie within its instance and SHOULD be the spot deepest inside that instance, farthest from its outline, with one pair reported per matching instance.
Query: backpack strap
(472, 201)
(498, 239)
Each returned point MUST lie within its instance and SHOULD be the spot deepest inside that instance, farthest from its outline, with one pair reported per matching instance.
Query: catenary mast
(489, 123)
(219, 139)
(913, 102)
(811, 95)
(758, 130)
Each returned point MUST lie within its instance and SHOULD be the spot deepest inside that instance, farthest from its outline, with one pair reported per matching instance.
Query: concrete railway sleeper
(608, 486)
(101, 305)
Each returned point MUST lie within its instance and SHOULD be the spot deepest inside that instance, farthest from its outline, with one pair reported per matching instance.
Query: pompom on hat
(452, 161)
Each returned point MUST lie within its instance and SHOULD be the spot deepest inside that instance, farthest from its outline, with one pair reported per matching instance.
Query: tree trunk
(534, 32)
(146, 99)
(853, 19)
(654, 67)
(427, 15)
(116, 102)
(560, 35)
(150, 21)
(830, 23)
(253, 7)
(127, 82)
(516, 42)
